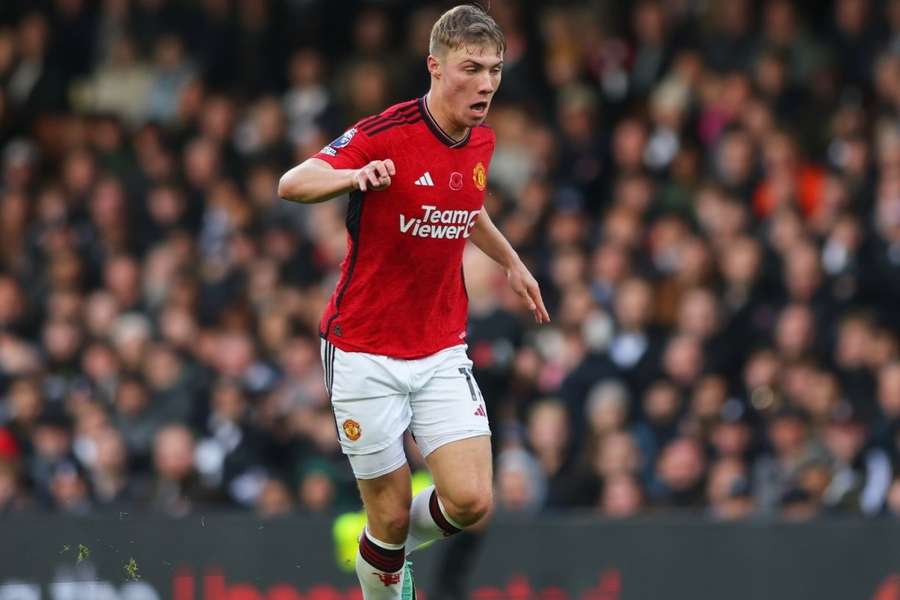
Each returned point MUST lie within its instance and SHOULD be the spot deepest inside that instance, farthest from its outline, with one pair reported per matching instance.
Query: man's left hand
(525, 285)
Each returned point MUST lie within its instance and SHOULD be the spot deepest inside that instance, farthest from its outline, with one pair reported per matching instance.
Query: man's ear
(434, 66)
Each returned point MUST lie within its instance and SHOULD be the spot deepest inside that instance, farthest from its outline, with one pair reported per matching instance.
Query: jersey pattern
(401, 292)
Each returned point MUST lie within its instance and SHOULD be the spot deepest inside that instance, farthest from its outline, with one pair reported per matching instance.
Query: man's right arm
(314, 180)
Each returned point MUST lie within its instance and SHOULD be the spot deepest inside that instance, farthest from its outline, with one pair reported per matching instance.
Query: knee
(390, 524)
(467, 507)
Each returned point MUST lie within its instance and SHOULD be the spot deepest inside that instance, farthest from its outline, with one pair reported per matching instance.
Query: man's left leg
(462, 494)
(450, 426)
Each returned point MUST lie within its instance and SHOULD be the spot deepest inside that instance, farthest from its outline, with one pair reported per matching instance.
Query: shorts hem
(382, 471)
(449, 438)
(367, 450)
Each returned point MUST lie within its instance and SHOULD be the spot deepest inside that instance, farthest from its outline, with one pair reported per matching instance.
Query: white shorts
(376, 398)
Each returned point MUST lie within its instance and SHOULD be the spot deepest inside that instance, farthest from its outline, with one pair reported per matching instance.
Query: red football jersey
(401, 292)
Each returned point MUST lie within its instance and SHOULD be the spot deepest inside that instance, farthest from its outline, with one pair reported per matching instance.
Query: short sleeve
(352, 150)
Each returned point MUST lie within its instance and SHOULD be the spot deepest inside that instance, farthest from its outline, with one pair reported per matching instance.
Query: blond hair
(465, 24)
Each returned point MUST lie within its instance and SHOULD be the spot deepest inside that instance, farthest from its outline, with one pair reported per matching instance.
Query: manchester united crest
(479, 176)
(352, 430)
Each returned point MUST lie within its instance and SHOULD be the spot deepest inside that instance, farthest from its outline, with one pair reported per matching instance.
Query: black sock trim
(439, 517)
(381, 558)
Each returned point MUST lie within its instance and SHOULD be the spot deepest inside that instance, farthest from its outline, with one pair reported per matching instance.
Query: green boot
(408, 591)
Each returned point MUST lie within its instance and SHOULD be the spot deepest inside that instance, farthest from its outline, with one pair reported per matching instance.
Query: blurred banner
(235, 558)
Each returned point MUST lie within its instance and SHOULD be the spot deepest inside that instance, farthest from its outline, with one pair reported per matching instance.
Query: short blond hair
(465, 24)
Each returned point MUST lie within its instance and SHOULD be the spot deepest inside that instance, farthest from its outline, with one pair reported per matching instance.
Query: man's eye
(470, 70)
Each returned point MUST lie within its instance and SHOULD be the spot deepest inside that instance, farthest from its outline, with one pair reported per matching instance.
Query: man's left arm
(489, 240)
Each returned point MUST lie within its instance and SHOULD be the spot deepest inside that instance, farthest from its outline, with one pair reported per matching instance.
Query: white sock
(379, 567)
(426, 525)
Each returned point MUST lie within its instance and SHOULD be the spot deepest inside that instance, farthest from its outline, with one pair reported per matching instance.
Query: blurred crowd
(708, 193)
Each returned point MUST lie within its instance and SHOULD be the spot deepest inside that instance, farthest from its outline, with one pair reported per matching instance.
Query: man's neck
(441, 117)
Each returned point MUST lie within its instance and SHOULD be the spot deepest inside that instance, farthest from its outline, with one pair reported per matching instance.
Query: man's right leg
(371, 410)
(381, 555)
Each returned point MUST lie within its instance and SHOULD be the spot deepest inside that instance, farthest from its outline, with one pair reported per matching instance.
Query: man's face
(470, 76)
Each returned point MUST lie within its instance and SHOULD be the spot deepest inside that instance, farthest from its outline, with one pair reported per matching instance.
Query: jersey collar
(439, 133)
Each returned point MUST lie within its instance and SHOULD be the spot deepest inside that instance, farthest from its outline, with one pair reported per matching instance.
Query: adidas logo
(479, 412)
(425, 180)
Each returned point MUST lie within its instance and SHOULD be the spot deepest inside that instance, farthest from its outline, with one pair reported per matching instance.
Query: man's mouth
(479, 108)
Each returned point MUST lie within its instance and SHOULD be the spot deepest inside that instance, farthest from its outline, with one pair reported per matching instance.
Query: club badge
(479, 176)
(352, 430)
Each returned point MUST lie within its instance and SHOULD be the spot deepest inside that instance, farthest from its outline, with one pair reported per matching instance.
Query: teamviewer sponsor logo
(440, 224)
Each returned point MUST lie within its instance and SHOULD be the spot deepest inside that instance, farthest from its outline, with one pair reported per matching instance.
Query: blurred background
(708, 193)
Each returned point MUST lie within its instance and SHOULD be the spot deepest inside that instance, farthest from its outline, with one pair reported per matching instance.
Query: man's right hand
(375, 176)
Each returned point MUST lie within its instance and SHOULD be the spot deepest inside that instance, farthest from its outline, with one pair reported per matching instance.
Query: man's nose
(485, 84)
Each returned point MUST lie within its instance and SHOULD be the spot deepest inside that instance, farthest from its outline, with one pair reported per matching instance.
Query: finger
(361, 182)
(390, 167)
(373, 178)
(384, 179)
(380, 169)
(534, 293)
(542, 310)
(527, 298)
(538, 317)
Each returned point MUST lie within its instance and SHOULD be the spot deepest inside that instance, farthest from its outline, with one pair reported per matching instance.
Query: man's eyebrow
(479, 64)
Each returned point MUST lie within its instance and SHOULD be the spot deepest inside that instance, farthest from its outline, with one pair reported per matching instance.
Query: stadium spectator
(708, 194)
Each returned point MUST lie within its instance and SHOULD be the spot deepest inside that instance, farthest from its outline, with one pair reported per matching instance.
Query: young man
(394, 332)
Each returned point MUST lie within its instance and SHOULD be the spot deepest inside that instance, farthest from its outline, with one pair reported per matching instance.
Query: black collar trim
(439, 133)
